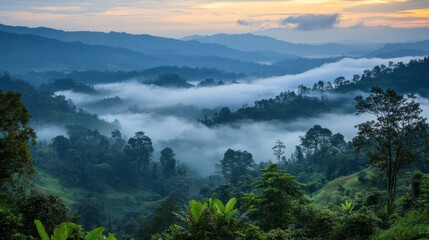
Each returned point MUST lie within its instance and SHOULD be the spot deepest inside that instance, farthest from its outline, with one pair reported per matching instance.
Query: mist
(202, 147)
(231, 95)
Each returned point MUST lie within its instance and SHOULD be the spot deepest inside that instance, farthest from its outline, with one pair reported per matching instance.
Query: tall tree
(316, 139)
(394, 139)
(140, 149)
(275, 196)
(279, 150)
(236, 164)
(168, 163)
(15, 136)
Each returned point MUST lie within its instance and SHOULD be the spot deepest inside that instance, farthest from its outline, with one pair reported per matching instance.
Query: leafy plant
(196, 209)
(66, 229)
(347, 206)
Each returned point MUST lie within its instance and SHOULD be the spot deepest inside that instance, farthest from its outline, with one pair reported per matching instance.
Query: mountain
(402, 49)
(143, 43)
(46, 109)
(30, 52)
(300, 65)
(251, 42)
(24, 53)
(359, 33)
(313, 102)
(94, 77)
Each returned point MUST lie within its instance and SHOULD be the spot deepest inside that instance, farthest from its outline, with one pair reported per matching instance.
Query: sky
(181, 18)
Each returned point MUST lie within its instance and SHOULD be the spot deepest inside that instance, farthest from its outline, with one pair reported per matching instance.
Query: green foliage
(323, 156)
(359, 225)
(196, 209)
(140, 150)
(47, 109)
(94, 234)
(10, 222)
(286, 106)
(347, 207)
(171, 80)
(41, 230)
(67, 84)
(205, 220)
(393, 141)
(69, 230)
(168, 163)
(15, 137)
(414, 225)
(49, 209)
(236, 164)
(275, 198)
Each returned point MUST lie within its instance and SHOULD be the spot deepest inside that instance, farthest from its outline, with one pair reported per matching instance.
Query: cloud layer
(309, 22)
(203, 147)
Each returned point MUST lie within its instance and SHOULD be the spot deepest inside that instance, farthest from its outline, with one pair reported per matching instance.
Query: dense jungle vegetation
(375, 186)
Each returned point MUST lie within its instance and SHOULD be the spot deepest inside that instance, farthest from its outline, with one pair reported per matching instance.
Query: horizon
(185, 18)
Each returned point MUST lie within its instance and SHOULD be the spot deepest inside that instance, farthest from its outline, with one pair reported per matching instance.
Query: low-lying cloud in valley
(203, 147)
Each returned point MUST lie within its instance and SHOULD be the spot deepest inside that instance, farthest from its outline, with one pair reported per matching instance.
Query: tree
(275, 197)
(140, 149)
(15, 136)
(236, 164)
(394, 139)
(168, 163)
(279, 150)
(61, 145)
(316, 139)
(49, 209)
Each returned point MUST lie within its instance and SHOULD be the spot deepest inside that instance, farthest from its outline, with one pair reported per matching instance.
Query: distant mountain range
(251, 42)
(402, 49)
(24, 53)
(146, 44)
(356, 34)
(30, 52)
(43, 49)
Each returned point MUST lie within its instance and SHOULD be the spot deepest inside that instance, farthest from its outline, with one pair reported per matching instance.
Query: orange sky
(184, 17)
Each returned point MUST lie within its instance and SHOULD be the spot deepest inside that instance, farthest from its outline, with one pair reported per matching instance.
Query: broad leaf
(229, 208)
(220, 206)
(94, 234)
(41, 230)
(60, 232)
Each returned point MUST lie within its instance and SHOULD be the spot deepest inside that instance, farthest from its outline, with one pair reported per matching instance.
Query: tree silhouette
(394, 139)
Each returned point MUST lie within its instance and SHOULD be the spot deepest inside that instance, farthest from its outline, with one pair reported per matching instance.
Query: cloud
(246, 22)
(202, 147)
(232, 95)
(309, 22)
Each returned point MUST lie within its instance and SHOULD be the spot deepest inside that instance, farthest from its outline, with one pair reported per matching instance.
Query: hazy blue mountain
(94, 77)
(300, 65)
(30, 52)
(358, 33)
(24, 53)
(144, 43)
(251, 42)
(402, 49)
(46, 109)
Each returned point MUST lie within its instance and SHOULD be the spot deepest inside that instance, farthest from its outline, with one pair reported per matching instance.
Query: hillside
(47, 109)
(29, 52)
(251, 42)
(402, 49)
(143, 43)
(24, 53)
(412, 77)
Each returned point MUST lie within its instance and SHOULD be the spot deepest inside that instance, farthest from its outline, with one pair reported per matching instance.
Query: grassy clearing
(342, 188)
